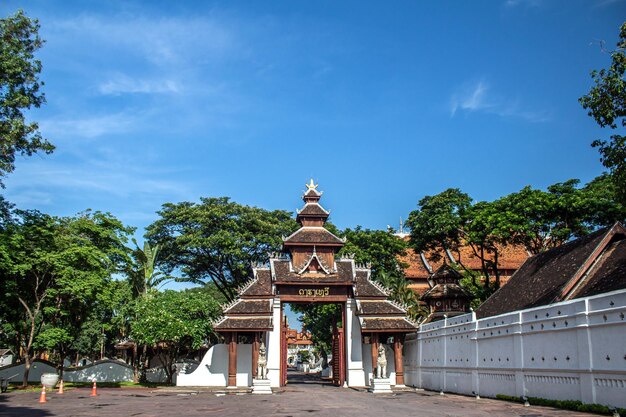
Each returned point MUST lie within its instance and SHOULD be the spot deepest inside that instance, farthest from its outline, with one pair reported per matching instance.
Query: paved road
(297, 399)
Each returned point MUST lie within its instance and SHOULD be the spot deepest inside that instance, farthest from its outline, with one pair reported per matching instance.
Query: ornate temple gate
(308, 270)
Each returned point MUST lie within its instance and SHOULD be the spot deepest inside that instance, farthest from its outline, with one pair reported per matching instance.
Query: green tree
(174, 323)
(379, 248)
(438, 221)
(55, 267)
(19, 90)
(217, 240)
(606, 103)
(541, 220)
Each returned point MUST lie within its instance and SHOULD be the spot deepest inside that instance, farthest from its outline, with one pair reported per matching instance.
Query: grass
(573, 405)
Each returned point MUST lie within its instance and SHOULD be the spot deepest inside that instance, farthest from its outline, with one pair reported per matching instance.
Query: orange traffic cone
(42, 397)
(94, 391)
(61, 391)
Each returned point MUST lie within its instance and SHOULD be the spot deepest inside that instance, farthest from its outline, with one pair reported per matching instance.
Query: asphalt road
(302, 397)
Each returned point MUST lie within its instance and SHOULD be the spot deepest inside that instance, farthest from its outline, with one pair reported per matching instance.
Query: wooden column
(374, 342)
(255, 355)
(232, 360)
(397, 354)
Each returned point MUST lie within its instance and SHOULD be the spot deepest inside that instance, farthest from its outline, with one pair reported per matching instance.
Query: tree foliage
(606, 103)
(55, 267)
(19, 90)
(379, 248)
(174, 322)
(217, 240)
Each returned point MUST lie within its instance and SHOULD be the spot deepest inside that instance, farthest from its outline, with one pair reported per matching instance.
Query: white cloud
(122, 84)
(88, 127)
(471, 99)
(478, 97)
(522, 3)
(162, 41)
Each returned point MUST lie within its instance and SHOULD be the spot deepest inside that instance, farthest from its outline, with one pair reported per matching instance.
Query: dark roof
(374, 308)
(313, 209)
(386, 324)
(245, 323)
(447, 291)
(261, 286)
(446, 271)
(313, 235)
(546, 277)
(363, 287)
(608, 274)
(312, 192)
(251, 307)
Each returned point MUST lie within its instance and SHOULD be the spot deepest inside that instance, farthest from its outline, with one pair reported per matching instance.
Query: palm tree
(143, 273)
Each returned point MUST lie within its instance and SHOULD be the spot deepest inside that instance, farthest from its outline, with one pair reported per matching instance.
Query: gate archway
(308, 270)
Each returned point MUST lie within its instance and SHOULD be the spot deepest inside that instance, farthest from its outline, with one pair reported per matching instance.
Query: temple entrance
(311, 270)
(305, 362)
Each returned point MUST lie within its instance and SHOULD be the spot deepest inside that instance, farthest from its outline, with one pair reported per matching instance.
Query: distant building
(6, 357)
(421, 266)
(591, 265)
(447, 298)
(296, 342)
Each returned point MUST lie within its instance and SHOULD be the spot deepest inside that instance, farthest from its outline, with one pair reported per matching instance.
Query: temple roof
(420, 266)
(260, 286)
(365, 287)
(313, 209)
(283, 271)
(311, 260)
(254, 307)
(376, 324)
(244, 323)
(375, 308)
(447, 291)
(586, 266)
(313, 235)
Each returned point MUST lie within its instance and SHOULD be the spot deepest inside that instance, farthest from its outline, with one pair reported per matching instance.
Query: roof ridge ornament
(311, 185)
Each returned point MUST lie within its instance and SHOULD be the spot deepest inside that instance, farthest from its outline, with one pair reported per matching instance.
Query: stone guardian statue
(262, 362)
(381, 367)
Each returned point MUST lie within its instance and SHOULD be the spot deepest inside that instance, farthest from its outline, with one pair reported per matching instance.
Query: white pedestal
(380, 386)
(261, 386)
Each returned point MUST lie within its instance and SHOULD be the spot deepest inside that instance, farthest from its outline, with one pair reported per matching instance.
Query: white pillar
(273, 346)
(354, 354)
(585, 356)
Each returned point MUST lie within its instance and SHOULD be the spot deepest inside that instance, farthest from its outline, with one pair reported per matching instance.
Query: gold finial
(311, 185)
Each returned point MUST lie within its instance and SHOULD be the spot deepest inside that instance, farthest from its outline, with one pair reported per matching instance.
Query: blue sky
(381, 102)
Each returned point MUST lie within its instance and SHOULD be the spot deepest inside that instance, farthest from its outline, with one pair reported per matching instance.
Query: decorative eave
(320, 262)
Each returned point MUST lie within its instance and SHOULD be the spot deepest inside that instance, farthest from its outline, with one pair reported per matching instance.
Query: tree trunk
(27, 363)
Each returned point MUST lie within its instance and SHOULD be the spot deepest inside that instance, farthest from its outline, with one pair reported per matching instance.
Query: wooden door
(338, 357)
(283, 351)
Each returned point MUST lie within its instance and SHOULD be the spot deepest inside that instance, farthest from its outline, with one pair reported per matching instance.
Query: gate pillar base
(261, 386)
(380, 386)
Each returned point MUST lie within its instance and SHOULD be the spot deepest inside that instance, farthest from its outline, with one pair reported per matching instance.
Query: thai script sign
(314, 292)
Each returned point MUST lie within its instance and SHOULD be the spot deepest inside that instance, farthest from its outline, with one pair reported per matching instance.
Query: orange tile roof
(511, 258)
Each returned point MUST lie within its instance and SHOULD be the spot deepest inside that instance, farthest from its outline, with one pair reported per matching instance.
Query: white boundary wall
(574, 350)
